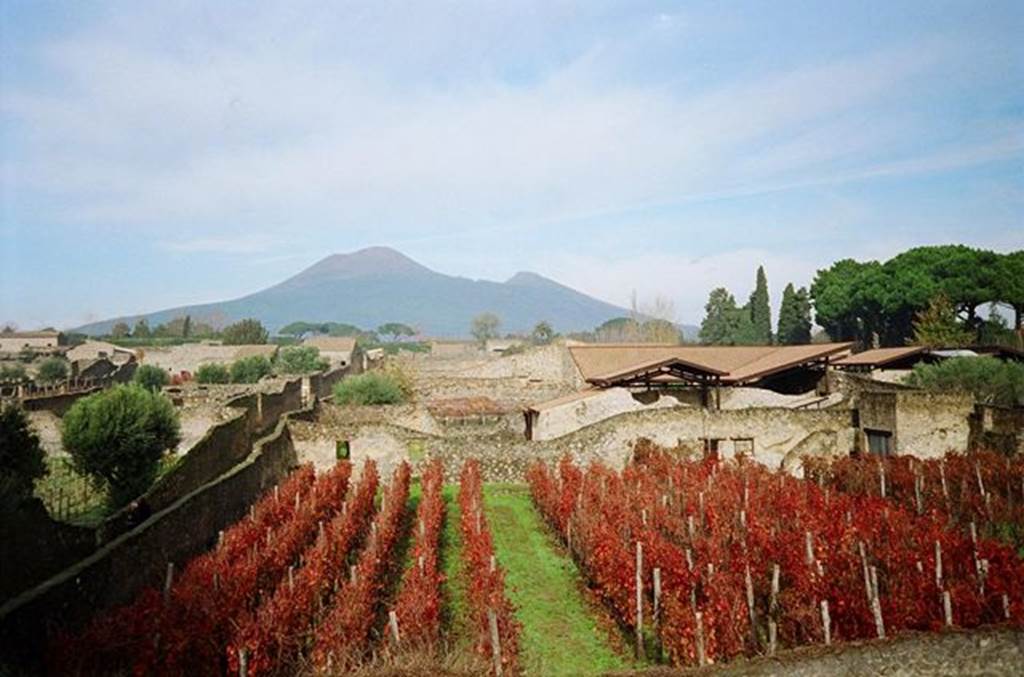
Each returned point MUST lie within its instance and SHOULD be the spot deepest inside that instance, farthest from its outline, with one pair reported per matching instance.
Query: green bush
(300, 360)
(212, 373)
(12, 372)
(250, 369)
(118, 436)
(990, 380)
(370, 388)
(51, 370)
(22, 460)
(244, 332)
(151, 377)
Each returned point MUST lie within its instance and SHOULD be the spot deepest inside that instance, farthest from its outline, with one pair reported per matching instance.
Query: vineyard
(682, 562)
(706, 561)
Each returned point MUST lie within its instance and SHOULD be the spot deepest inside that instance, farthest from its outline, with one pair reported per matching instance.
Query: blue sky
(155, 154)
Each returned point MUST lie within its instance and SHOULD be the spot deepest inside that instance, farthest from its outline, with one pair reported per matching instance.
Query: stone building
(342, 351)
(16, 341)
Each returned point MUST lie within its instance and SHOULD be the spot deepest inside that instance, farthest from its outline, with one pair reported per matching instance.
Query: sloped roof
(732, 364)
(332, 344)
(878, 357)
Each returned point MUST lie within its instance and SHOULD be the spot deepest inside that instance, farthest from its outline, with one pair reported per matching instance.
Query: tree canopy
(249, 331)
(794, 316)
(396, 330)
(485, 327)
(22, 460)
(760, 311)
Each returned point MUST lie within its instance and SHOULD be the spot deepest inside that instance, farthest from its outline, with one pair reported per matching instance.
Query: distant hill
(372, 286)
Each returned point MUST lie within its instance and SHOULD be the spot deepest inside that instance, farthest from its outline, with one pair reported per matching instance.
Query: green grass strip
(560, 635)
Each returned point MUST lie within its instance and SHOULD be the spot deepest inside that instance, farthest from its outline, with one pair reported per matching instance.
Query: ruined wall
(115, 573)
(567, 418)
(929, 424)
(998, 428)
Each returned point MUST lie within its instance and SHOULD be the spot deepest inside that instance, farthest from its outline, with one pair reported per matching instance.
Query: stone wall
(930, 424)
(554, 422)
(998, 428)
(115, 573)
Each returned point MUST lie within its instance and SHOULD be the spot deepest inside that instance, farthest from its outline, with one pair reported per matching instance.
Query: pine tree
(721, 321)
(937, 326)
(794, 316)
(760, 310)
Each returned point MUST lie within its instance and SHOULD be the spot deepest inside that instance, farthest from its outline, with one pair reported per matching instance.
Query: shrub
(151, 377)
(12, 372)
(370, 388)
(250, 369)
(990, 380)
(22, 460)
(245, 332)
(118, 436)
(213, 373)
(51, 370)
(300, 360)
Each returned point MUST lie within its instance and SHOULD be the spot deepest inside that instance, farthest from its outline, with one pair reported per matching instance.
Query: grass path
(457, 633)
(560, 634)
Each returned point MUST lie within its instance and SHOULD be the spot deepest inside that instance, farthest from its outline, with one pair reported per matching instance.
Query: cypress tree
(760, 310)
(795, 316)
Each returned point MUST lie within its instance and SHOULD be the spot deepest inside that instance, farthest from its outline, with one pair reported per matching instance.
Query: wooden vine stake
(876, 605)
(168, 580)
(701, 657)
(750, 604)
(492, 622)
(947, 608)
(393, 626)
(657, 597)
(938, 565)
(772, 626)
(243, 663)
(826, 622)
(639, 599)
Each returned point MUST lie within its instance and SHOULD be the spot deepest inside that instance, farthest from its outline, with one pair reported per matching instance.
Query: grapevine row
(418, 607)
(486, 580)
(275, 635)
(340, 638)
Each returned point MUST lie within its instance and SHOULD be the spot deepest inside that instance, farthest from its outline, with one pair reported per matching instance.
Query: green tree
(396, 330)
(246, 332)
(618, 330)
(250, 369)
(51, 370)
(118, 436)
(141, 330)
(12, 372)
(722, 319)
(120, 330)
(213, 373)
(371, 388)
(22, 460)
(937, 326)
(1010, 285)
(990, 380)
(542, 334)
(151, 377)
(794, 317)
(760, 310)
(300, 360)
(485, 327)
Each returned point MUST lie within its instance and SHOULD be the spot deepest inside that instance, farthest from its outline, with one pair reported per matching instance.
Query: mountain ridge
(371, 286)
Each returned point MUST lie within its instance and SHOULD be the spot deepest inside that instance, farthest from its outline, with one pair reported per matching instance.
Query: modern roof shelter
(649, 365)
(905, 357)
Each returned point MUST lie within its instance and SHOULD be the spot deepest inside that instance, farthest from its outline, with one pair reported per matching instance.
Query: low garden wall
(116, 572)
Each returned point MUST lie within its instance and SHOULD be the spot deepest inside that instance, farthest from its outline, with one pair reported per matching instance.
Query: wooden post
(639, 599)
(492, 564)
(168, 580)
(689, 526)
(657, 597)
(243, 662)
(750, 603)
(864, 569)
(809, 547)
(772, 627)
(917, 494)
(938, 564)
(492, 621)
(291, 577)
(1006, 606)
(701, 657)
(393, 625)
(826, 622)
(947, 608)
(689, 559)
(945, 487)
(876, 605)
(881, 478)
(352, 573)
(977, 473)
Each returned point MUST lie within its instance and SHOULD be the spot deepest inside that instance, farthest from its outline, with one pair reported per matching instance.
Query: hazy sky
(160, 153)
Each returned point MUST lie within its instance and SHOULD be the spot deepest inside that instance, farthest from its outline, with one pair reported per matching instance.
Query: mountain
(372, 286)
